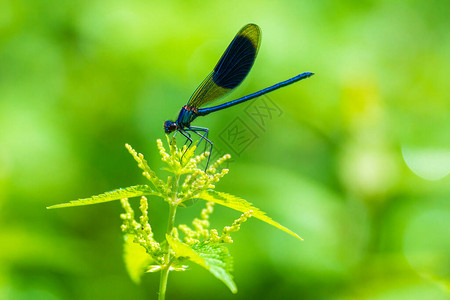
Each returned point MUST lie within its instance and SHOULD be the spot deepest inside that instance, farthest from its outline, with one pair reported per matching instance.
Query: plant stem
(163, 283)
(170, 225)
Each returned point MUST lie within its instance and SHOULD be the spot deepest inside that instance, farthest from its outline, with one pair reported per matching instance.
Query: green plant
(198, 243)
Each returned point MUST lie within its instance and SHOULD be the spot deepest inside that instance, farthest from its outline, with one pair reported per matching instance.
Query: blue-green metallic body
(185, 117)
(230, 71)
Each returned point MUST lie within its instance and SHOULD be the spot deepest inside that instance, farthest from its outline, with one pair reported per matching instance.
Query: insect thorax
(186, 116)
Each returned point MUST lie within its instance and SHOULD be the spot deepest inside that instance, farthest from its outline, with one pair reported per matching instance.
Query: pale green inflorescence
(142, 231)
(180, 162)
(202, 233)
(198, 243)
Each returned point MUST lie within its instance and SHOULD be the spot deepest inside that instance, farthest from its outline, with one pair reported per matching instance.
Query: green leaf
(136, 258)
(219, 260)
(215, 258)
(241, 205)
(132, 191)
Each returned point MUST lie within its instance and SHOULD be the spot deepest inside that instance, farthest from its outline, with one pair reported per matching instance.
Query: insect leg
(204, 136)
(187, 135)
(201, 129)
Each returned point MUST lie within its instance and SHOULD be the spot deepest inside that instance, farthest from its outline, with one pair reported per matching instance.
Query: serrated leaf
(132, 191)
(219, 260)
(216, 259)
(241, 205)
(136, 258)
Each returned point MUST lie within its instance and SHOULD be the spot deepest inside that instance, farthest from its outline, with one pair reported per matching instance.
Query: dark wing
(232, 67)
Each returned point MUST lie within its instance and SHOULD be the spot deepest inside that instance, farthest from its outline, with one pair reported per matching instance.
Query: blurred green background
(356, 164)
